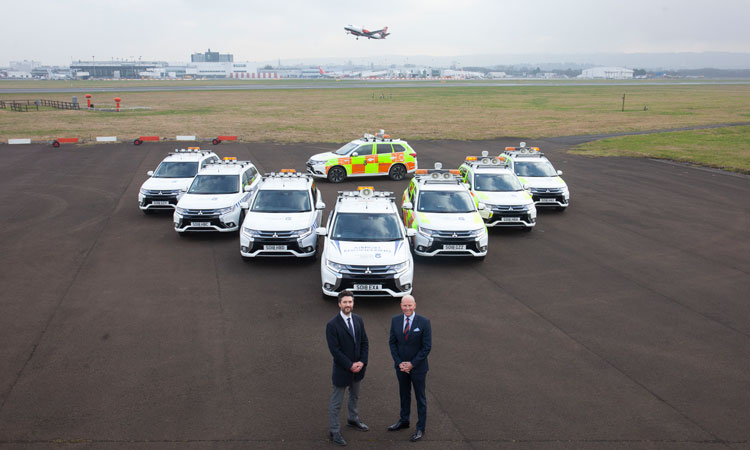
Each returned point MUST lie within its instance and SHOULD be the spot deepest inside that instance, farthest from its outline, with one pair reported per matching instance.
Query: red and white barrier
(185, 138)
(19, 141)
(106, 139)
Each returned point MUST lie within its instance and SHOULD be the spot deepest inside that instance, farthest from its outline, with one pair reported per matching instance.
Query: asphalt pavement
(621, 323)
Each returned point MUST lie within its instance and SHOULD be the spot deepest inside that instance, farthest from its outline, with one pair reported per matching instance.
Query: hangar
(607, 73)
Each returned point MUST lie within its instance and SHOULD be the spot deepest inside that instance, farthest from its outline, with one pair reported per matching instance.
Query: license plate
(368, 287)
(511, 219)
(274, 247)
(201, 224)
(454, 247)
(160, 202)
(548, 200)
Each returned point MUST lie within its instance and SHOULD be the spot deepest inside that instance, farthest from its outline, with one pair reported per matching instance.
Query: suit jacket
(345, 350)
(414, 349)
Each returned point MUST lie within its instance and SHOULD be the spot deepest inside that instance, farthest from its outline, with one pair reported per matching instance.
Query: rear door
(383, 157)
(364, 156)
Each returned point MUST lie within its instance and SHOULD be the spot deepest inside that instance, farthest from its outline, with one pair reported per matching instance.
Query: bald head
(408, 305)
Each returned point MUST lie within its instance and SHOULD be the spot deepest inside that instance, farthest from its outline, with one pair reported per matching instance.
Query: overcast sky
(59, 31)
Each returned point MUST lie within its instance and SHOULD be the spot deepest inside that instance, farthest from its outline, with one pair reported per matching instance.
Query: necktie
(351, 328)
(406, 329)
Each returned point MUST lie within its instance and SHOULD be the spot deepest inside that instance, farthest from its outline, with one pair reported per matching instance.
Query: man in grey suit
(347, 342)
(411, 342)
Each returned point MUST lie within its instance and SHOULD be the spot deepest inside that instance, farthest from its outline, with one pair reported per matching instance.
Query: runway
(622, 323)
(360, 84)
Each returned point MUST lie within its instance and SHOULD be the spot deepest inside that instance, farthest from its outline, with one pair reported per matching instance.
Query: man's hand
(405, 366)
(357, 366)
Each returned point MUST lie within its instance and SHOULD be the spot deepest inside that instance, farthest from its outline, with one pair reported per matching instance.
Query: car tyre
(397, 172)
(137, 142)
(336, 174)
(216, 141)
(55, 144)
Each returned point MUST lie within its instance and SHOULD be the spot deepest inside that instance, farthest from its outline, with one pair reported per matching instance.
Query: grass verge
(722, 148)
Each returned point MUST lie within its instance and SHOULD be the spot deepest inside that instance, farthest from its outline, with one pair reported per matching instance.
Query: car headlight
(315, 162)
(251, 232)
(179, 210)
(226, 210)
(478, 232)
(427, 232)
(336, 267)
(303, 233)
(143, 191)
(402, 266)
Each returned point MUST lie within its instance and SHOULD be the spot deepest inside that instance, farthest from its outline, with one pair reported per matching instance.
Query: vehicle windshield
(534, 169)
(345, 150)
(366, 227)
(281, 201)
(176, 170)
(215, 184)
(497, 182)
(445, 202)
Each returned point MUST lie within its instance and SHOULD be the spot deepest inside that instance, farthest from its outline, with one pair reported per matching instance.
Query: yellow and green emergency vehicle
(370, 155)
(535, 171)
(439, 207)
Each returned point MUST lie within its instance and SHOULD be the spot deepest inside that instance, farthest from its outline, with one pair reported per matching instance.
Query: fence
(23, 105)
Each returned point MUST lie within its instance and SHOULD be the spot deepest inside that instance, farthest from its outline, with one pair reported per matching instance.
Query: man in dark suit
(410, 342)
(347, 342)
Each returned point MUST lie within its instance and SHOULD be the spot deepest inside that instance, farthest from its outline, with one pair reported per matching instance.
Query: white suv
(282, 217)
(212, 203)
(440, 208)
(507, 201)
(172, 178)
(535, 171)
(366, 247)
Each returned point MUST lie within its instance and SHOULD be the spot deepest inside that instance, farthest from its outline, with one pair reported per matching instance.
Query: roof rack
(523, 150)
(287, 173)
(365, 192)
(182, 151)
(437, 175)
(228, 162)
(485, 161)
(378, 137)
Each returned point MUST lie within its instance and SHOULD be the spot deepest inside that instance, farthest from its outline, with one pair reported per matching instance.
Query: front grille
(276, 235)
(369, 270)
(158, 192)
(508, 208)
(196, 214)
(546, 190)
(452, 234)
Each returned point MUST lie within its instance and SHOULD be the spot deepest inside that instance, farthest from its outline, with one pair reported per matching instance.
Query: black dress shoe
(416, 436)
(398, 425)
(357, 424)
(337, 438)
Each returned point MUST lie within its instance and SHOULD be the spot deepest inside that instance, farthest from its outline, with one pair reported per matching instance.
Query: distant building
(210, 56)
(607, 73)
(114, 69)
(24, 66)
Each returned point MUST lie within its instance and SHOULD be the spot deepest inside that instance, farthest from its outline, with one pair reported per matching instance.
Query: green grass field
(723, 148)
(338, 115)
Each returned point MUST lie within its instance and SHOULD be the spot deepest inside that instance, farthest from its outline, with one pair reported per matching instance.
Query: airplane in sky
(377, 34)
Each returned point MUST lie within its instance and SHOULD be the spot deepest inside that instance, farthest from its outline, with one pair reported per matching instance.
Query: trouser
(337, 398)
(405, 383)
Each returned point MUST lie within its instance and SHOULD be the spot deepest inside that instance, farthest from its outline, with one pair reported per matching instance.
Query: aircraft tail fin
(384, 32)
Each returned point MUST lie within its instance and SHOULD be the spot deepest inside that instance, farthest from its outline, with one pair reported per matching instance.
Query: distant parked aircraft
(377, 34)
(325, 74)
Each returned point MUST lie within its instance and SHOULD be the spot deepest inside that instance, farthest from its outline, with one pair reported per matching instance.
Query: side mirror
(525, 187)
(320, 205)
(559, 172)
(481, 206)
(321, 231)
(411, 232)
(244, 205)
(407, 206)
(247, 188)
(150, 173)
(355, 154)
